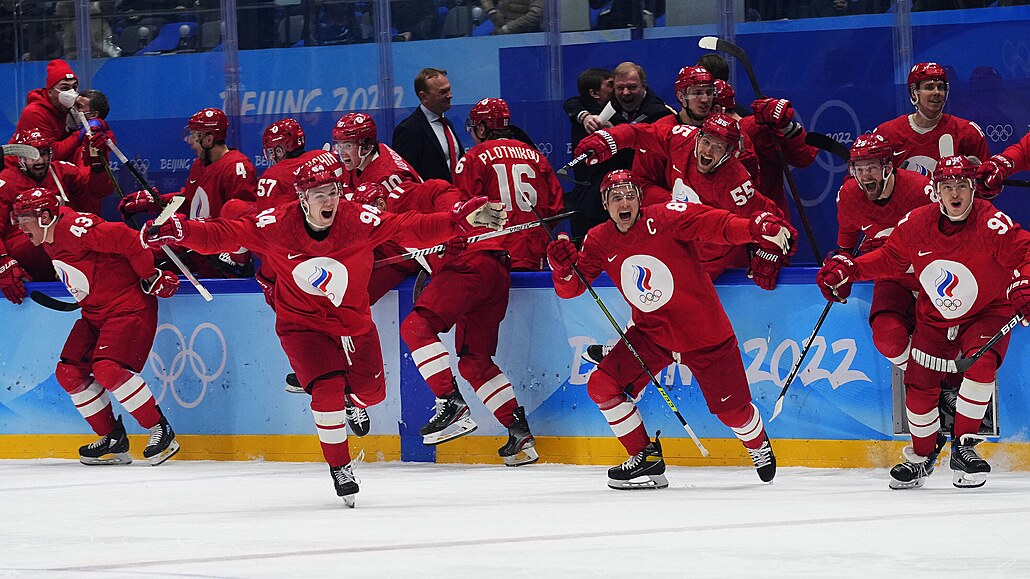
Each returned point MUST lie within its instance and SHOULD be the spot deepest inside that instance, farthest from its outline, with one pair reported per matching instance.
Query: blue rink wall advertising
(217, 370)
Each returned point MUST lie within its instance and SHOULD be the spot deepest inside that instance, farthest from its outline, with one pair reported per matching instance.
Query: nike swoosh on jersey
(293, 255)
(377, 375)
(922, 253)
(726, 398)
(612, 258)
(900, 153)
(866, 227)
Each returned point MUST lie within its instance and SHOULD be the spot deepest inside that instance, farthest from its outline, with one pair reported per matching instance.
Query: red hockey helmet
(619, 178)
(210, 120)
(33, 138)
(957, 167)
(725, 96)
(368, 193)
(722, 127)
(325, 168)
(693, 76)
(494, 113)
(872, 146)
(33, 202)
(357, 127)
(925, 71)
(286, 133)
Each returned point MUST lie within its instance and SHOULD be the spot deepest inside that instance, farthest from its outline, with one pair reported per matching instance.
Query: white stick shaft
(608, 112)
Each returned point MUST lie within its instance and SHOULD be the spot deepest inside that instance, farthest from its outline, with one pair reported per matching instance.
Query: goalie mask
(282, 138)
(319, 187)
(954, 180)
(717, 140)
(493, 113)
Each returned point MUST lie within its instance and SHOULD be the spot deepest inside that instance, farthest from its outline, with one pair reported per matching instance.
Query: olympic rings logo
(167, 374)
(650, 297)
(141, 165)
(948, 303)
(545, 148)
(998, 132)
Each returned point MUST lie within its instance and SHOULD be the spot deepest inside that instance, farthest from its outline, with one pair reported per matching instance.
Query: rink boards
(217, 371)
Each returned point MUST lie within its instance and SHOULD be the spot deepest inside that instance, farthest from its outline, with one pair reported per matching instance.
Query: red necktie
(452, 144)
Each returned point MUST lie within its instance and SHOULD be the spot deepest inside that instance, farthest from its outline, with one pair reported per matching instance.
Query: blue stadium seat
(168, 38)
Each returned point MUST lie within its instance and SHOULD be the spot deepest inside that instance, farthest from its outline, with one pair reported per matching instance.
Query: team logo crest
(73, 279)
(322, 276)
(646, 282)
(950, 286)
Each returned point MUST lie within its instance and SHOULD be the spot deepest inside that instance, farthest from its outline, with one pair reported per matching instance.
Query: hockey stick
(61, 306)
(961, 364)
(778, 407)
(18, 150)
(440, 247)
(52, 303)
(168, 251)
(828, 144)
(714, 43)
(622, 335)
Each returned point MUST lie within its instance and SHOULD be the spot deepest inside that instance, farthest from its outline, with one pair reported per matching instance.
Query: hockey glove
(562, 256)
(11, 275)
(992, 173)
(454, 247)
(162, 284)
(776, 112)
(773, 233)
(1019, 295)
(765, 267)
(599, 147)
(99, 136)
(172, 231)
(835, 278)
(477, 213)
(142, 202)
(267, 287)
(872, 244)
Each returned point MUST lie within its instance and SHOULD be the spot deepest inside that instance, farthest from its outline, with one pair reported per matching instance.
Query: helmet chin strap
(367, 157)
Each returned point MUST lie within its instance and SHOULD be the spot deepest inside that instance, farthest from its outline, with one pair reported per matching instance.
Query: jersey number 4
(82, 225)
(513, 178)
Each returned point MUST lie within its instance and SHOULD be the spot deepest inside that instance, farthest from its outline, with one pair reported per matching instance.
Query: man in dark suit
(426, 139)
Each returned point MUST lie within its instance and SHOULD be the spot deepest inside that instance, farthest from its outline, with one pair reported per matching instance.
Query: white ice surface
(265, 519)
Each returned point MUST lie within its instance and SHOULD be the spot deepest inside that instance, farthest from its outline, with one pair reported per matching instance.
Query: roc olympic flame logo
(946, 284)
(642, 279)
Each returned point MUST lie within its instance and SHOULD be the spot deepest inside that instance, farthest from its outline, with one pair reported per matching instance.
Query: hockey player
(963, 252)
(673, 320)
(923, 138)
(322, 249)
(701, 168)
(508, 170)
(470, 291)
(771, 127)
(82, 186)
(115, 282)
(218, 175)
(872, 204)
(995, 170)
(282, 144)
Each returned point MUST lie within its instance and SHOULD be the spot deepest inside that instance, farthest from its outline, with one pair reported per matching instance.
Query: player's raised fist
(477, 213)
(562, 255)
(138, 202)
(172, 231)
(599, 147)
(773, 233)
(835, 278)
(162, 284)
(775, 112)
(993, 173)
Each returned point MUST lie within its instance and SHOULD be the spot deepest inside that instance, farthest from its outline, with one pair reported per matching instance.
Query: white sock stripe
(969, 409)
(976, 391)
(133, 394)
(752, 430)
(923, 425)
(336, 435)
(431, 350)
(500, 398)
(628, 423)
(932, 416)
(493, 386)
(92, 400)
(329, 419)
(618, 412)
(435, 366)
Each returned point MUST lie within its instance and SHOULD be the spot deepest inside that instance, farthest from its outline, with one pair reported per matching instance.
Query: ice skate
(112, 448)
(357, 419)
(646, 470)
(595, 353)
(452, 419)
(293, 384)
(912, 473)
(162, 445)
(765, 460)
(519, 449)
(346, 483)
(968, 470)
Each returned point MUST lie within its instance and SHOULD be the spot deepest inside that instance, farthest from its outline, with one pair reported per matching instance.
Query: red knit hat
(56, 71)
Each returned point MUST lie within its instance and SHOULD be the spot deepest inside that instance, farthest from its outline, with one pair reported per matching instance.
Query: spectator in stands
(414, 19)
(329, 22)
(515, 16)
(426, 139)
(102, 40)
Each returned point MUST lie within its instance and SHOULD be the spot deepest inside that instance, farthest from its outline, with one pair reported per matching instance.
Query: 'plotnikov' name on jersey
(505, 152)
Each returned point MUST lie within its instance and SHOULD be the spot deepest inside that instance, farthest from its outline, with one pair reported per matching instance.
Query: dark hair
(98, 102)
(591, 79)
(424, 75)
(716, 66)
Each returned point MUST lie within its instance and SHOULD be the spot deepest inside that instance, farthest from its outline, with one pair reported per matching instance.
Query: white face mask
(67, 97)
